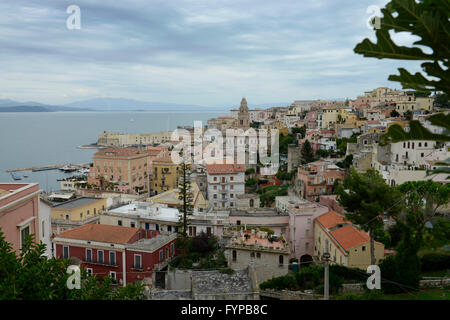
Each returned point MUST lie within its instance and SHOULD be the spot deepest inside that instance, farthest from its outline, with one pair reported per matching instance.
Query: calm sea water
(38, 139)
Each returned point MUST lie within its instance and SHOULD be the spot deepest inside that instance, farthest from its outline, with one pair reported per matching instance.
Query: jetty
(49, 167)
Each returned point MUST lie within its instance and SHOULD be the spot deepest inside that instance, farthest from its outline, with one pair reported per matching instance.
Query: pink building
(124, 169)
(301, 225)
(19, 212)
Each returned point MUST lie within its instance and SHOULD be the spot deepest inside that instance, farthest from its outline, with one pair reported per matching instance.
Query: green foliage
(201, 249)
(287, 176)
(427, 19)
(341, 143)
(185, 195)
(307, 153)
(311, 277)
(439, 234)
(250, 171)
(417, 132)
(250, 182)
(347, 163)
(301, 130)
(269, 193)
(440, 120)
(366, 198)
(441, 100)
(322, 153)
(395, 114)
(284, 142)
(435, 262)
(31, 276)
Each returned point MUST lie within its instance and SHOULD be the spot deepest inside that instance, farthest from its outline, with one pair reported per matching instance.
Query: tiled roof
(120, 152)
(349, 236)
(101, 233)
(331, 219)
(225, 168)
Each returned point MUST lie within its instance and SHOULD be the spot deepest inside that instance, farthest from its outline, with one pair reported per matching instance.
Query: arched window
(280, 260)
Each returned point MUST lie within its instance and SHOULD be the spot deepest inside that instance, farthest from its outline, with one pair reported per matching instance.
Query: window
(132, 224)
(112, 258)
(112, 274)
(363, 248)
(208, 231)
(67, 217)
(88, 212)
(66, 252)
(258, 255)
(172, 248)
(307, 246)
(137, 261)
(167, 252)
(95, 211)
(147, 226)
(43, 229)
(88, 255)
(100, 257)
(252, 254)
(215, 178)
(119, 222)
(307, 233)
(89, 272)
(24, 233)
(161, 255)
(281, 260)
(231, 178)
(234, 256)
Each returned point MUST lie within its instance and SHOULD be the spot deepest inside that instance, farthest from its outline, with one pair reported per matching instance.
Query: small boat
(15, 176)
(25, 176)
(68, 169)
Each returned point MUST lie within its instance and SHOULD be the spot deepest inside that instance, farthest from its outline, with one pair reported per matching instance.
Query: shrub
(435, 262)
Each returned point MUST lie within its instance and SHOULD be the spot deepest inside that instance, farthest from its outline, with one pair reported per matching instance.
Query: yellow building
(78, 209)
(165, 175)
(170, 198)
(347, 245)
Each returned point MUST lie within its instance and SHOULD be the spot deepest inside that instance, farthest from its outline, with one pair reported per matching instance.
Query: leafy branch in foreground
(428, 20)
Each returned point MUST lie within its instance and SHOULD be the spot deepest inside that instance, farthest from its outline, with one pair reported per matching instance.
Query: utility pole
(326, 289)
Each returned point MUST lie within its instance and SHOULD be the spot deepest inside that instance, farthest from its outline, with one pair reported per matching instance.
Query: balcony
(101, 263)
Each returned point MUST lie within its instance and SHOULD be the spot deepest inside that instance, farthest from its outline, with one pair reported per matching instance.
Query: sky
(200, 52)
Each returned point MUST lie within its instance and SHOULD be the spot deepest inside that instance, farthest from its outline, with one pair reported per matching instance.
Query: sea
(29, 139)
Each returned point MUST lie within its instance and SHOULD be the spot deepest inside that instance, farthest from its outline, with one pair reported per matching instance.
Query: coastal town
(122, 215)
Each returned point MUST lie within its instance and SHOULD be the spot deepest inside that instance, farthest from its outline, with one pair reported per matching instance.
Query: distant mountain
(122, 104)
(8, 105)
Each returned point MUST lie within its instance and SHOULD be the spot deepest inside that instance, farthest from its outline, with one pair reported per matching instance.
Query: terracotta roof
(101, 233)
(120, 152)
(225, 168)
(349, 236)
(373, 122)
(331, 219)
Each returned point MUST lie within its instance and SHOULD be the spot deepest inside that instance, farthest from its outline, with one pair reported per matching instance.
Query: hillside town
(129, 215)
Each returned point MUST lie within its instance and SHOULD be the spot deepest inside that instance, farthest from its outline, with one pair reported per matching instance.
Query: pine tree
(307, 152)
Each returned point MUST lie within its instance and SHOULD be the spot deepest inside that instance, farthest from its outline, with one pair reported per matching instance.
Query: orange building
(317, 178)
(124, 169)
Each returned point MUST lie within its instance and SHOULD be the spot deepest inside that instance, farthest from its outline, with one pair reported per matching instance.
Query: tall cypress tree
(185, 195)
(307, 152)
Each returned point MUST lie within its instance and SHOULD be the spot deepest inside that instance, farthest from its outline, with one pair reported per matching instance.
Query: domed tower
(243, 116)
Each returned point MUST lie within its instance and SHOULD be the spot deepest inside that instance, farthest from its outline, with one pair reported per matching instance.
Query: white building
(45, 226)
(225, 182)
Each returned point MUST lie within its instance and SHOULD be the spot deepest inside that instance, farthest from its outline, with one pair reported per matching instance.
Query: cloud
(188, 51)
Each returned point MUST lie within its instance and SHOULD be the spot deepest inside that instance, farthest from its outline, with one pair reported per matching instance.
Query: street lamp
(326, 258)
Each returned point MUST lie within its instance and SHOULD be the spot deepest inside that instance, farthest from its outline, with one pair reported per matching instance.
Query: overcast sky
(203, 52)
